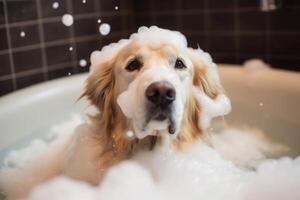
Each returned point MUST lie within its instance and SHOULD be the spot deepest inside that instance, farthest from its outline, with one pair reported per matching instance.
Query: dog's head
(153, 84)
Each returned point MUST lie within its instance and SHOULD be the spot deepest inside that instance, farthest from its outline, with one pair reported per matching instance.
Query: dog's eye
(134, 65)
(179, 64)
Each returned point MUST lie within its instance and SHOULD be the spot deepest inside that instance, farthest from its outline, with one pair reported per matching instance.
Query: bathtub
(265, 99)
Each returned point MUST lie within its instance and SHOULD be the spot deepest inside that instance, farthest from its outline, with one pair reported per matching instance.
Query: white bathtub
(268, 100)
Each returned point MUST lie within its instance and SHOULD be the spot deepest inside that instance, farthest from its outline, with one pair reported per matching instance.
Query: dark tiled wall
(44, 52)
(231, 30)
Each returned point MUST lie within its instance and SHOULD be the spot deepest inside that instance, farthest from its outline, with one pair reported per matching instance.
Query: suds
(255, 65)
(200, 172)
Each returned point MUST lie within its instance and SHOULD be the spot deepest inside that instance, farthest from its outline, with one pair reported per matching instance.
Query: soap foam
(199, 172)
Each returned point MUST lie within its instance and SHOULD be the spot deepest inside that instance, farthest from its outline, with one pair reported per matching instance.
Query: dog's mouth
(163, 116)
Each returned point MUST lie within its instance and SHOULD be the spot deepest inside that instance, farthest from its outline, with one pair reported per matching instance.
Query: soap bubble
(22, 34)
(82, 63)
(67, 20)
(70, 48)
(104, 29)
(116, 7)
(55, 5)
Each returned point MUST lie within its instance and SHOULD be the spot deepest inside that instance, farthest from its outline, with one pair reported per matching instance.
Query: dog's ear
(101, 82)
(206, 76)
(99, 85)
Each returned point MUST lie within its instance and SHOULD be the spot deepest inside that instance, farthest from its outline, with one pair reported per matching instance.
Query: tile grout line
(179, 14)
(236, 31)
(72, 40)
(206, 24)
(267, 32)
(42, 39)
(58, 19)
(11, 59)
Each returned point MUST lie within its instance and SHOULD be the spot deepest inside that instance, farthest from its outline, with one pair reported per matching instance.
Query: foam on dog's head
(153, 36)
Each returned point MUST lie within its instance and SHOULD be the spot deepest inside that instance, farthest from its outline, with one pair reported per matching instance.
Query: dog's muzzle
(161, 94)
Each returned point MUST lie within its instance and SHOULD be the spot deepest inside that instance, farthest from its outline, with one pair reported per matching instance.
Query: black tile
(110, 39)
(84, 49)
(55, 31)
(27, 60)
(29, 80)
(143, 20)
(221, 44)
(79, 7)
(127, 5)
(167, 21)
(115, 23)
(142, 6)
(164, 5)
(21, 10)
(220, 4)
(108, 5)
(252, 20)
(291, 3)
(221, 22)
(285, 20)
(31, 36)
(58, 54)
(5, 65)
(288, 45)
(3, 40)
(193, 22)
(86, 26)
(6, 86)
(219, 58)
(252, 44)
(2, 19)
(49, 11)
(58, 73)
(248, 4)
(192, 4)
(286, 63)
(196, 40)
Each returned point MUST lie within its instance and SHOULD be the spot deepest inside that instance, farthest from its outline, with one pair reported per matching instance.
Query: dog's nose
(161, 93)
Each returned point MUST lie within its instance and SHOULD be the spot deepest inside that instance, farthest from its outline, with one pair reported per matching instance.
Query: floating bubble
(67, 20)
(22, 34)
(83, 1)
(82, 63)
(70, 48)
(69, 74)
(55, 5)
(104, 29)
(99, 21)
(116, 7)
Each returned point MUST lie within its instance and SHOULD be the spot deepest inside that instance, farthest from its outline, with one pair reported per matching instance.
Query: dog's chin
(157, 124)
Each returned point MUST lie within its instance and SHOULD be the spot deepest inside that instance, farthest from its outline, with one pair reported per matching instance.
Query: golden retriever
(146, 91)
(166, 73)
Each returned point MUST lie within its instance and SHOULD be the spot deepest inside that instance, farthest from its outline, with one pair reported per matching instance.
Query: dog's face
(149, 85)
(160, 80)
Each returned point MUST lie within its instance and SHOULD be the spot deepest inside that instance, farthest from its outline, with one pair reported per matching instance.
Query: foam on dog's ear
(207, 88)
